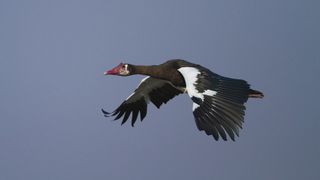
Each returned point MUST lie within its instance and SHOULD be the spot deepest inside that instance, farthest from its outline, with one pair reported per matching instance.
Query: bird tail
(255, 94)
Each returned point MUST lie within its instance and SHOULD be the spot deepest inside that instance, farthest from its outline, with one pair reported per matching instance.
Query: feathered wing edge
(125, 110)
(150, 89)
(221, 111)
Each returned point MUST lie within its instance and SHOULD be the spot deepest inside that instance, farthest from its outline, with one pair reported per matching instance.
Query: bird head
(121, 70)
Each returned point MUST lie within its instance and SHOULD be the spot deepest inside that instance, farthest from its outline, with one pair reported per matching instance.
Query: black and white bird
(218, 102)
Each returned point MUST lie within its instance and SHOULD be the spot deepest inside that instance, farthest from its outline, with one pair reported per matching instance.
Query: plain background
(53, 55)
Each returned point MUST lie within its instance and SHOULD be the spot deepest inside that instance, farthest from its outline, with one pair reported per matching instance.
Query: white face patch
(124, 71)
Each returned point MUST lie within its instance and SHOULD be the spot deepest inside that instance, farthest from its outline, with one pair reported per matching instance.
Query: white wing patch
(144, 79)
(209, 92)
(190, 75)
(195, 106)
(130, 96)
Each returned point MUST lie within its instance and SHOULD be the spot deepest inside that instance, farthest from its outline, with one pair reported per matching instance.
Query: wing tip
(105, 113)
(224, 138)
(255, 94)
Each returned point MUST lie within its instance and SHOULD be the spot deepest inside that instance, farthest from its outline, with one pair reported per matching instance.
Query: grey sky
(53, 55)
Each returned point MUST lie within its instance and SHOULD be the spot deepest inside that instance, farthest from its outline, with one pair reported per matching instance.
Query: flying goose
(218, 101)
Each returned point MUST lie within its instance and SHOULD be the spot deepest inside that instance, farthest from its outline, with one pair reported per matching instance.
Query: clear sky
(53, 55)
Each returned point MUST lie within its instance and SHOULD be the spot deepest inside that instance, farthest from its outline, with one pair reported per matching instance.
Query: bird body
(218, 102)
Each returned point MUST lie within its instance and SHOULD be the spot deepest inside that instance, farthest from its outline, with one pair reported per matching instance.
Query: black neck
(145, 70)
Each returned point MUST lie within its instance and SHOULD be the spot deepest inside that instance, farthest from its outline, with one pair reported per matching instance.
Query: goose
(218, 101)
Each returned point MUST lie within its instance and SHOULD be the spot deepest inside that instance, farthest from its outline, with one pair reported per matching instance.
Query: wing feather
(220, 101)
(150, 89)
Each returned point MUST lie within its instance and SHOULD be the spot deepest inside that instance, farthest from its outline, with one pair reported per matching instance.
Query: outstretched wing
(218, 102)
(150, 89)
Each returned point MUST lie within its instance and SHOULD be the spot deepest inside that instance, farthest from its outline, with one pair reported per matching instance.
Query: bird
(217, 101)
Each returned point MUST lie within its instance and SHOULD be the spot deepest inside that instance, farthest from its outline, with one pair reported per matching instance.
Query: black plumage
(218, 106)
(157, 91)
